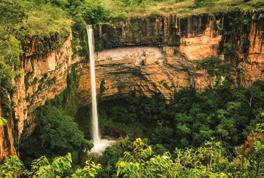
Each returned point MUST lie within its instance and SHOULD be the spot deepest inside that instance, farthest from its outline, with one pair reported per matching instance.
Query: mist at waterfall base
(99, 144)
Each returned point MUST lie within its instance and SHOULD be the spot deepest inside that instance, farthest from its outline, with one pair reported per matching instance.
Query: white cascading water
(95, 127)
(99, 144)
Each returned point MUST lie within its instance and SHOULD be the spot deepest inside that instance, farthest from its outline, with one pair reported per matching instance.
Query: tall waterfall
(99, 144)
(95, 127)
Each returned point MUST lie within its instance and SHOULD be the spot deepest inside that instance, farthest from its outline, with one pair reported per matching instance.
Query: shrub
(60, 166)
(94, 12)
(58, 132)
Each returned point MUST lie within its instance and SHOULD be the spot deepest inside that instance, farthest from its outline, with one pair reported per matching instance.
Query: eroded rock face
(143, 70)
(175, 45)
(196, 37)
(202, 46)
(43, 78)
(254, 67)
(7, 145)
(152, 30)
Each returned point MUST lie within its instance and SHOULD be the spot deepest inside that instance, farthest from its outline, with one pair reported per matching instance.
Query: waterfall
(99, 144)
(95, 127)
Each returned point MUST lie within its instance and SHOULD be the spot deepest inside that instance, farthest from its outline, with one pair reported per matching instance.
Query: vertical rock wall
(152, 31)
(43, 77)
(7, 145)
(196, 37)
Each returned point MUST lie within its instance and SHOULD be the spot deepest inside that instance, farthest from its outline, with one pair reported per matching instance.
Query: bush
(201, 3)
(60, 166)
(208, 160)
(94, 12)
(55, 134)
(58, 132)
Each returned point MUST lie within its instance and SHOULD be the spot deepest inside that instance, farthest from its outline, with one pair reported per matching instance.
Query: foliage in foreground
(209, 160)
(138, 159)
(43, 168)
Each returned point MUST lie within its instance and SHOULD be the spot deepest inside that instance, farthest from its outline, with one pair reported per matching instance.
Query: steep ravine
(152, 55)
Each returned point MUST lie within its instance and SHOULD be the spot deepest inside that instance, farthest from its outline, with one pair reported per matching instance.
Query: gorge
(41, 72)
(153, 72)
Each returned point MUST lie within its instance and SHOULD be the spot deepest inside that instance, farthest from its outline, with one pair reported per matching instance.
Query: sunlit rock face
(155, 31)
(166, 63)
(43, 77)
(143, 70)
(7, 145)
(177, 44)
(202, 46)
(145, 55)
(195, 37)
(254, 67)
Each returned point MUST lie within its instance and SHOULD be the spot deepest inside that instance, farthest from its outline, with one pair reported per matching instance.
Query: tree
(89, 170)
(42, 168)
(94, 12)
(58, 132)
(209, 160)
(253, 150)
(55, 134)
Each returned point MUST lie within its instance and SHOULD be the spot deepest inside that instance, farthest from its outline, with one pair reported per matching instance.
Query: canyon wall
(159, 54)
(142, 70)
(146, 55)
(43, 77)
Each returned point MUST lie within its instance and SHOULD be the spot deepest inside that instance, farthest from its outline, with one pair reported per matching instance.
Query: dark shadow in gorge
(189, 119)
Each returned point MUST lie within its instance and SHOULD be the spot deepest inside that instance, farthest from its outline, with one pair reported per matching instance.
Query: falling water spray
(99, 144)
(95, 127)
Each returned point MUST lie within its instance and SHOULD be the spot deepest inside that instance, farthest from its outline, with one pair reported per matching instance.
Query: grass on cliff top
(44, 20)
(129, 8)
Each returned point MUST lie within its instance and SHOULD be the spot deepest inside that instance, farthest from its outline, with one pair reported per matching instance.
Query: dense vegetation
(56, 134)
(121, 8)
(191, 118)
(183, 135)
(44, 168)
(139, 159)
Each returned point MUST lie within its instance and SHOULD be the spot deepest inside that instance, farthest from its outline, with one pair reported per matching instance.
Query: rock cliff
(170, 48)
(147, 55)
(44, 76)
(144, 70)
